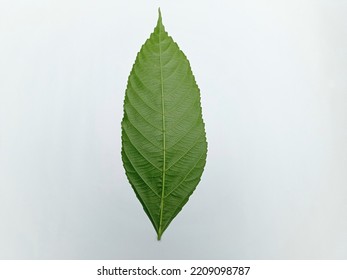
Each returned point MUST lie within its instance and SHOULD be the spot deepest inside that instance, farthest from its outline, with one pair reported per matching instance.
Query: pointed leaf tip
(159, 17)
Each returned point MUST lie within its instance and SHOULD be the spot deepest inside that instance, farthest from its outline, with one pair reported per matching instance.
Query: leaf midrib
(164, 133)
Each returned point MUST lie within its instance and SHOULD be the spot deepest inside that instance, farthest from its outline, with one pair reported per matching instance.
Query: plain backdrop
(273, 83)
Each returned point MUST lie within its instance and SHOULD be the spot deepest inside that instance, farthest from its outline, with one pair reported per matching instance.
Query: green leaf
(163, 135)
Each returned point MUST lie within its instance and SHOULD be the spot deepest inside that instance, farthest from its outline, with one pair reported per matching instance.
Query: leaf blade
(164, 143)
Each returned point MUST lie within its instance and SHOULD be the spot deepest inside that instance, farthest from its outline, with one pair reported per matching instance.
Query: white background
(273, 82)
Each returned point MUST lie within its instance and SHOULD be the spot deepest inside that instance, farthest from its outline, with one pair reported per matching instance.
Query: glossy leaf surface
(163, 135)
